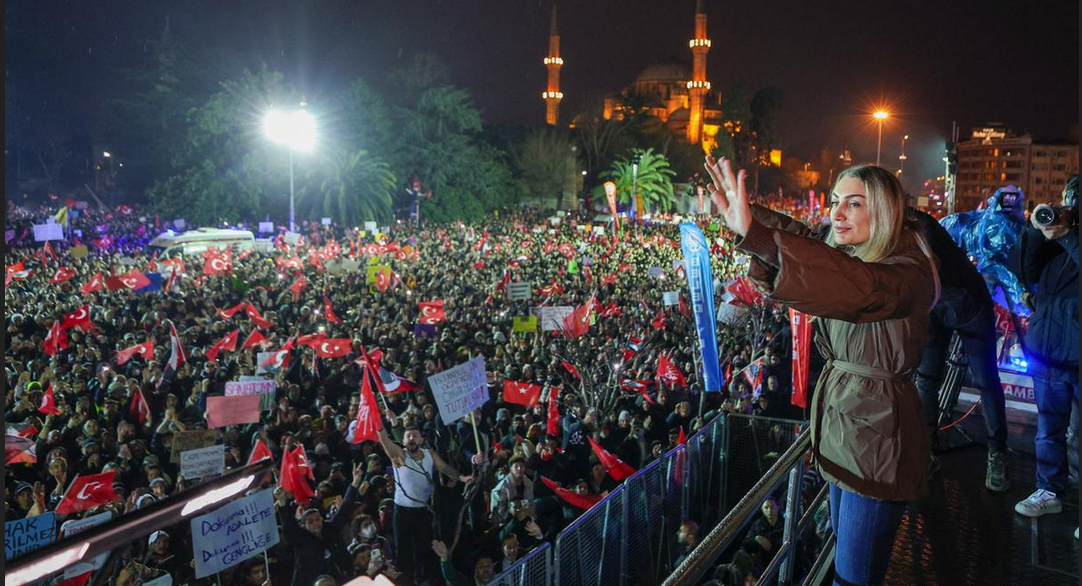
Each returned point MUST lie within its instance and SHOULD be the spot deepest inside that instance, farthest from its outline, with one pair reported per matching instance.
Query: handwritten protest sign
(460, 390)
(191, 439)
(254, 386)
(233, 410)
(266, 227)
(29, 534)
(370, 227)
(655, 272)
(524, 325)
(202, 462)
(233, 533)
(552, 318)
(78, 251)
(670, 297)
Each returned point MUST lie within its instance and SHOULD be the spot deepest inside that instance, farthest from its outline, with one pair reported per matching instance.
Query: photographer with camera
(1050, 273)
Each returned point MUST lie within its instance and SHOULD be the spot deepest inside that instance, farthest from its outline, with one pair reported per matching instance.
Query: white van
(198, 241)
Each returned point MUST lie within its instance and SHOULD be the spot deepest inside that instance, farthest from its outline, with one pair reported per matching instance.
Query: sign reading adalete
(28, 534)
(460, 390)
(233, 533)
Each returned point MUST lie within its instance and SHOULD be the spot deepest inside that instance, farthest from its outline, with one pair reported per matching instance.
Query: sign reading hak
(460, 390)
(29, 534)
(236, 532)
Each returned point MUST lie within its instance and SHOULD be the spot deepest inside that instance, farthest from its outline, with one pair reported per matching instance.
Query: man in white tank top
(414, 479)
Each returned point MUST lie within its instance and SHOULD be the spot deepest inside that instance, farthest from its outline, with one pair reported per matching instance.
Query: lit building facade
(553, 62)
(995, 156)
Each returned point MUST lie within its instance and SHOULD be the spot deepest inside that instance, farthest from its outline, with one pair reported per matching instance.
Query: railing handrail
(587, 514)
(519, 563)
(704, 555)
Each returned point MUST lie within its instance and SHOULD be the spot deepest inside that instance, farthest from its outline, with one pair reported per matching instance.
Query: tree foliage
(653, 180)
(548, 165)
(357, 187)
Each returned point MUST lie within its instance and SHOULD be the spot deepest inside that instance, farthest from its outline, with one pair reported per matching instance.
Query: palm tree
(653, 180)
(358, 187)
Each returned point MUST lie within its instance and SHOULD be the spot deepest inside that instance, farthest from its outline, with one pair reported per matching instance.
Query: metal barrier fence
(629, 538)
(534, 569)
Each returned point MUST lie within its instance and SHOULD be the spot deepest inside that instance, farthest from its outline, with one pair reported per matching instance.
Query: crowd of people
(430, 501)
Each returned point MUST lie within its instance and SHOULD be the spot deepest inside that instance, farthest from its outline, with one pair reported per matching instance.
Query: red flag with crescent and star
(432, 312)
(87, 492)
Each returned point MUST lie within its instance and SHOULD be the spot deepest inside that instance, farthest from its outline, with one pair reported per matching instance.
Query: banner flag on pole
(701, 285)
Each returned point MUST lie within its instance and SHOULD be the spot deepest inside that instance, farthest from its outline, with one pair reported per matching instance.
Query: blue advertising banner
(701, 282)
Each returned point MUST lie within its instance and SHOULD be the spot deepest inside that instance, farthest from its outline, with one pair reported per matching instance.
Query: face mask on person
(368, 531)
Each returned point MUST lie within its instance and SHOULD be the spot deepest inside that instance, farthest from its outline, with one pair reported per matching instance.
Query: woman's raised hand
(728, 192)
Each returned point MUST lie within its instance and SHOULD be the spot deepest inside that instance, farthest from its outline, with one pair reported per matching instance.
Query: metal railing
(533, 569)
(788, 468)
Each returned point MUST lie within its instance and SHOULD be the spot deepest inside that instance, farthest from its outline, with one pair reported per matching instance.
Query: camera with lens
(1048, 215)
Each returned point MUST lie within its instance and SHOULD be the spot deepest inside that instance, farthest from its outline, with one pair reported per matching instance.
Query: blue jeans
(1053, 418)
(864, 529)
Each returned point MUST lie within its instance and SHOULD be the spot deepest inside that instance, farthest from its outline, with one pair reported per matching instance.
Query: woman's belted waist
(868, 371)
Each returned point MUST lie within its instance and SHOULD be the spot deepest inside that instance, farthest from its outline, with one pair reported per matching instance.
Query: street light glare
(880, 115)
(106, 154)
(296, 129)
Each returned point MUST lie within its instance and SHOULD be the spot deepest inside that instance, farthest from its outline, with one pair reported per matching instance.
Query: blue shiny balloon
(988, 235)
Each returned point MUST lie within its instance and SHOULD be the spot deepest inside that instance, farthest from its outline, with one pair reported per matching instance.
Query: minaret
(698, 86)
(553, 95)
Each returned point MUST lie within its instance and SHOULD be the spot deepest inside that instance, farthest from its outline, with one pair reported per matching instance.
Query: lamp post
(634, 183)
(296, 130)
(879, 116)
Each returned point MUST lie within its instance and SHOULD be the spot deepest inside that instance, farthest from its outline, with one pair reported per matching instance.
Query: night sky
(928, 62)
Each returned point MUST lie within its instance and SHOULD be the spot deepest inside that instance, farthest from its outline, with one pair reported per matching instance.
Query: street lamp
(295, 130)
(879, 116)
(634, 182)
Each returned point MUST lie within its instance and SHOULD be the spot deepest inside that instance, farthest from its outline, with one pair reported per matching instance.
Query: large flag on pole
(701, 283)
(800, 324)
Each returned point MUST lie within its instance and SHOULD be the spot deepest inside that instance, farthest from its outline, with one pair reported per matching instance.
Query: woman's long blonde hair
(886, 200)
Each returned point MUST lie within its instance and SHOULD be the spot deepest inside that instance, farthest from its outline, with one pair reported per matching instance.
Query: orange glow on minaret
(552, 95)
(698, 86)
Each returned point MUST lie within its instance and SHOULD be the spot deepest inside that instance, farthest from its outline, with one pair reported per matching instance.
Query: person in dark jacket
(871, 287)
(965, 307)
(317, 545)
(1050, 273)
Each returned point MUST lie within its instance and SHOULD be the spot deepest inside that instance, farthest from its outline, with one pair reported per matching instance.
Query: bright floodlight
(296, 129)
(880, 115)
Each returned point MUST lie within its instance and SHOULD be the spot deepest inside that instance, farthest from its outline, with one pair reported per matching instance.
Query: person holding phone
(870, 286)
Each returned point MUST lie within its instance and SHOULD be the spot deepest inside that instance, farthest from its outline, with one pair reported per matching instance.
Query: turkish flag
(297, 287)
(257, 318)
(669, 373)
(176, 351)
(94, 284)
(368, 418)
(383, 280)
(432, 312)
(578, 321)
(229, 313)
(48, 402)
(217, 265)
(552, 425)
(254, 339)
(571, 368)
(328, 311)
(56, 340)
(63, 275)
(87, 492)
(293, 477)
(79, 318)
(611, 310)
(616, 467)
(279, 360)
(310, 340)
(521, 393)
(134, 279)
(146, 350)
(139, 407)
(582, 501)
(229, 342)
(334, 347)
(260, 452)
(387, 382)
